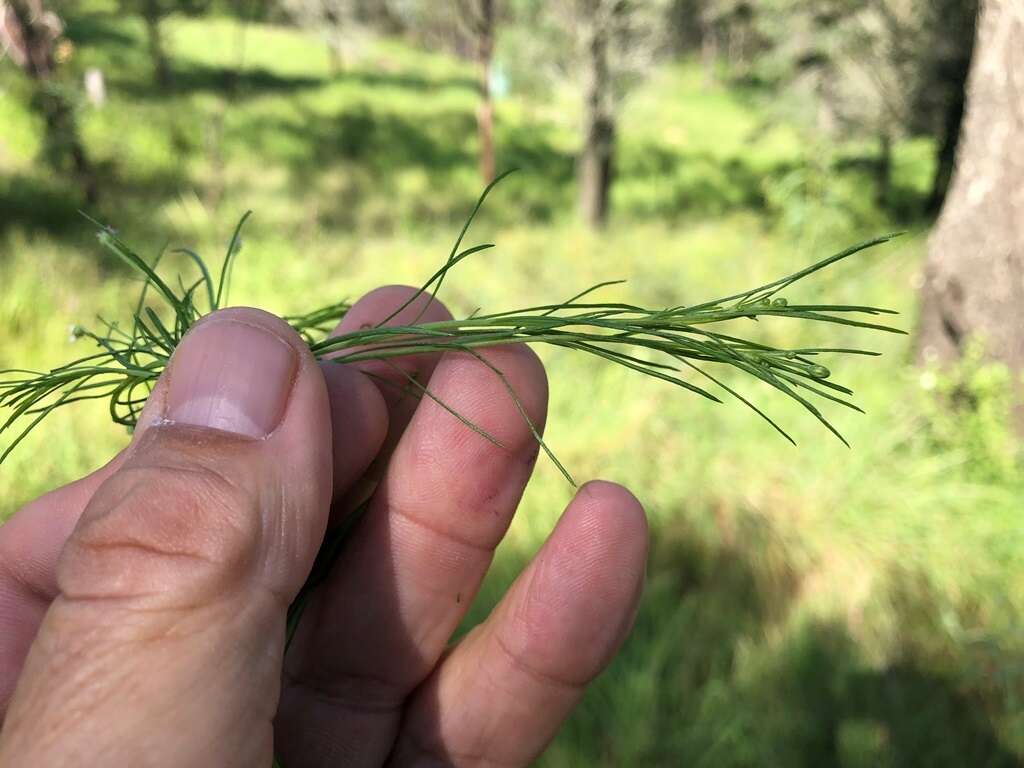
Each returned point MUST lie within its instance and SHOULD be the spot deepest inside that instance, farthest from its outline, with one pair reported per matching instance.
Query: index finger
(30, 543)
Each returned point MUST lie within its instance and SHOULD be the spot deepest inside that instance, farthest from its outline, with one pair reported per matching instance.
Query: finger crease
(401, 514)
(363, 694)
(22, 583)
(546, 679)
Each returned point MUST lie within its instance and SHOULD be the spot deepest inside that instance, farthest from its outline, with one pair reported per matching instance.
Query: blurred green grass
(807, 606)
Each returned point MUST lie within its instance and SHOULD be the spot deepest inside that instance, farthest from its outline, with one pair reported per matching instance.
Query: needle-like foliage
(681, 345)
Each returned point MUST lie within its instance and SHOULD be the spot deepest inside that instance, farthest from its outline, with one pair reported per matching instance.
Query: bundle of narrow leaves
(662, 343)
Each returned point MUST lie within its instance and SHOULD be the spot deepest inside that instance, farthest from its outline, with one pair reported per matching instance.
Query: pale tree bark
(974, 275)
(708, 51)
(28, 33)
(340, 23)
(479, 20)
(595, 164)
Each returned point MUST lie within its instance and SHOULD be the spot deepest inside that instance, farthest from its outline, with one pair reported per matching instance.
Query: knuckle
(163, 531)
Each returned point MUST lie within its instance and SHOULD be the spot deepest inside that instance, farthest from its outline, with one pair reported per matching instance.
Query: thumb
(164, 645)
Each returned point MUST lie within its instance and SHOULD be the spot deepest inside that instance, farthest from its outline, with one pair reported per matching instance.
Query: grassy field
(808, 606)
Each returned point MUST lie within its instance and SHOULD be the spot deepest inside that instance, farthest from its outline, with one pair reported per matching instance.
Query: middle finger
(412, 567)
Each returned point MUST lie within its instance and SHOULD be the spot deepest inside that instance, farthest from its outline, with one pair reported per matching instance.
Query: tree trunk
(28, 33)
(62, 141)
(974, 274)
(883, 170)
(708, 55)
(336, 28)
(596, 161)
(952, 29)
(485, 109)
(154, 37)
(335, 64)
(945, 153)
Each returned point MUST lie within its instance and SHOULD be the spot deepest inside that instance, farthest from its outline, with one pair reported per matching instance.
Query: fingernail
(231, 376)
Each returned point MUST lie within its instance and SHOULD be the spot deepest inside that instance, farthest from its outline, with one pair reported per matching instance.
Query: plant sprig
(675, 344)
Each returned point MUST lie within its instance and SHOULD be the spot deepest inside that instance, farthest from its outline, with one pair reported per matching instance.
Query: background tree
(684, 31)
(974, 275)
(908, 62)
(152, 12)
(596, 25)
(730, 35)
(479, 18)
(617, 41)
(876, 70)
(606, 46)
(340, 22)
(467, 28)
(31, 36)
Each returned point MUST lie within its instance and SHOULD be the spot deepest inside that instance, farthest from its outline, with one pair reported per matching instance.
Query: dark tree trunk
(155, 40)
(952, 26)
(883, 170)
(62, 143)
(974, 275)
(383, 17)
(945, 154)
(953, 115)
(595, 165)
(485, 109)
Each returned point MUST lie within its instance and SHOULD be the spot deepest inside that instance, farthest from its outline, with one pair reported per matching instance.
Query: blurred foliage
(549, 39)
(815, 606)
(343, 24)
(968, 408)
(874, 69)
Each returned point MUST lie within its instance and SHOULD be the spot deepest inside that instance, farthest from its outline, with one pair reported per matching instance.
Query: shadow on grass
(31, 204)
(372, 165)
(40, 205)
(98, 30)
(720, 671)
(352, 161)
(204, 78)
(194, 77)
(689, 182)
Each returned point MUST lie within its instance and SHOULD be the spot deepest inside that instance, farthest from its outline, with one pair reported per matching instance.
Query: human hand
(142, 608)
